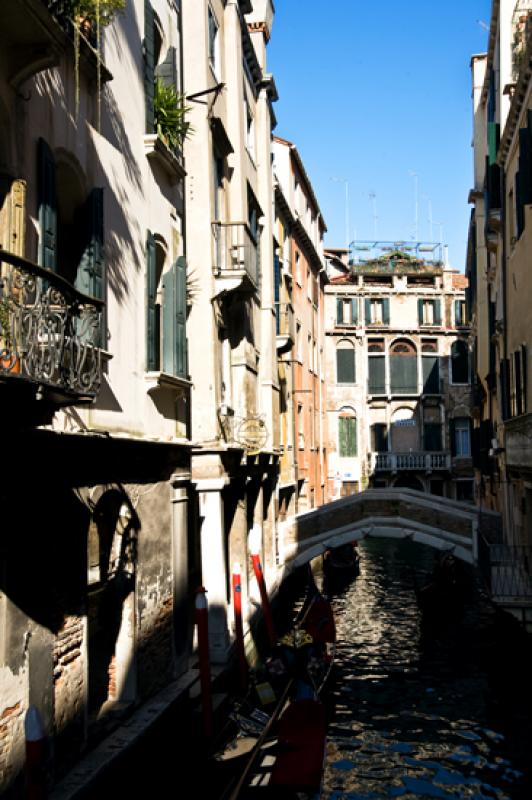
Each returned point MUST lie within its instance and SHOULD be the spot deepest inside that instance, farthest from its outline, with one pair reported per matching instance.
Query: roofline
(495, 8)
(301, 167)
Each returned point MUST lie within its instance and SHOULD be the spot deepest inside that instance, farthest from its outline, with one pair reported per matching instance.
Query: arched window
(345, 362)
(403, 367)
(459, 362)
(347, 433)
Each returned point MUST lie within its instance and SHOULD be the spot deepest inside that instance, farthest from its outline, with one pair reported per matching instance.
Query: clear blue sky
(372, 91)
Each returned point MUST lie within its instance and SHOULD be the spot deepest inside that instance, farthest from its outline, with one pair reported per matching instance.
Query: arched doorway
(405, 430)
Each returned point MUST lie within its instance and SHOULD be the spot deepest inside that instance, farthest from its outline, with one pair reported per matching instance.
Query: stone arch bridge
(446, 525)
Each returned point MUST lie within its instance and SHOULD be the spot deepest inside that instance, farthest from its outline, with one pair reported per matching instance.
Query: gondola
(340, 566)
(442, 595)
(285, 747)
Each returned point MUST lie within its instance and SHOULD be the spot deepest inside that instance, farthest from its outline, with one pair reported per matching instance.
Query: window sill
(157, 152)
(162, 381)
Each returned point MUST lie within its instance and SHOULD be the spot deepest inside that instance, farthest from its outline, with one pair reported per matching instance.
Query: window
(346, 311)
(518, 382)
(461, 437)
(376, 375)
(300, 428)
(298, 268)
(432, 436)
(431, 374)
(250, 128)
(299, 343)
(345, 363)
(459, 362)
(377, 311)
(379, 437)
(460, 313)
(214, 44)
(347, 435)
(429, 312)
(403, 368)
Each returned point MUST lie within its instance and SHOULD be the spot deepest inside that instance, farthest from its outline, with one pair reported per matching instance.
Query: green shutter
(525, 164)
(339, 311)
(386, 311)
(420, 304)
(494, 135)
(354, 310)
(457, 312)
(347, 437)
(167, 69)
(47, 202)
(377, 375)
(89, 277)
(437, 312)
(149, 64)
(345, 366)
(367, 310)
(174, 320)
(152, 338)
(519, 207)
(431, 374)
(403, 374)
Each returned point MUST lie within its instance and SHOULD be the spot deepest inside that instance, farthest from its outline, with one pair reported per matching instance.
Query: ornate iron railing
(50, 334)
(508, 570)
(236, 250)
(420, 461)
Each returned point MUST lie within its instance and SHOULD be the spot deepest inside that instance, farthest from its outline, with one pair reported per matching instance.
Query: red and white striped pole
(239, 628)
(202, 621)
(35, 755)
(265, 600)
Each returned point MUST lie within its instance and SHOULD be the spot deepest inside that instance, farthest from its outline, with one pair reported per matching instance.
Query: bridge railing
(419, 461)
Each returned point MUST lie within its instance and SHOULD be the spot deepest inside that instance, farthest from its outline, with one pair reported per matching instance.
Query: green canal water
(425, 710)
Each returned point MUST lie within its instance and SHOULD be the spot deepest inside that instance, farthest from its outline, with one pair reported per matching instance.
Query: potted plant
(170, 114)
(96, 12)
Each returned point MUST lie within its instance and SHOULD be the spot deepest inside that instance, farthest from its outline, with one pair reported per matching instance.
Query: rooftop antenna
(483, 24)
(373, 198)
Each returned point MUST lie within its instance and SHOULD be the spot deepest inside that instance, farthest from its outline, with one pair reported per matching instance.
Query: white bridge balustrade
(387, 513)
(418, 461)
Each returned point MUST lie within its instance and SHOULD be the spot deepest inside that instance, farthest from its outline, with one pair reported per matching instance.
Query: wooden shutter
(345, 365)
(518, 383)
(47, 203)
(377, 375)
(437, 312)
(420, 304)
(354, 310)
(167, 69)
(403, 374)
(431, 374)
(149, 64)
(89, 278)
(347, 437)
(152, 338)
(174, 319)
(457, 312)
(339, 311)
(277, 278)
(386, 311)
(367, 310)
(524, 370)
(519, 208)
(525, 164)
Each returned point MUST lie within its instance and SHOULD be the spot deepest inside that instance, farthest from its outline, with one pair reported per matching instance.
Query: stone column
(213, 564)
(180, 483)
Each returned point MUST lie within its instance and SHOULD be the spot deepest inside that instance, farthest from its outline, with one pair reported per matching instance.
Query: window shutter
(367, 310)
(345, 366)
(354, 310)
(149, 64)
(452, 437)
(353, 444)
(437, 312)
(403, 374)
(277, 278)
(420, 303)
(376, 368)
(457, 313)
(152, 339)
(339, 311)
(524, 370)
(386, 311)
(89, 278)
(174, 319)
(342, 436)
(47, 203)
(167, 69)
(347, 436)
(519, 209)
(431, 374)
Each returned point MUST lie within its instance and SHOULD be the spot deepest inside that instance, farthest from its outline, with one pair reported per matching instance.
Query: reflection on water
(414, 711)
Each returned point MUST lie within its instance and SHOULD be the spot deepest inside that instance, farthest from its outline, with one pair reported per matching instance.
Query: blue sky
(372, 92)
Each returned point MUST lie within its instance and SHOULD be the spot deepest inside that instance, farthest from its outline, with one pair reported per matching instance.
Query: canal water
(424, 709)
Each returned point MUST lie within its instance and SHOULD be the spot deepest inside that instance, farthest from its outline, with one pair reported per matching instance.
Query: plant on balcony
(170, 114)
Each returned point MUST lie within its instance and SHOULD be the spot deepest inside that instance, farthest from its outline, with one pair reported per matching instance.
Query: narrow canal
(425, 711)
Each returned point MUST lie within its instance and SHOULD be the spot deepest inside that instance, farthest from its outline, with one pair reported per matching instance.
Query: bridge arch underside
(445, 525)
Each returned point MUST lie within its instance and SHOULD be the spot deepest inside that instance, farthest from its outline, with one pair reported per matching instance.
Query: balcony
(285, 327)
(414, 461)
(236, 258)
(34, 35)
(517, 437)
(50, 337)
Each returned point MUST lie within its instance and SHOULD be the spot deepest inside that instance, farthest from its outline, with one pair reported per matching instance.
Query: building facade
(499, 251)
(398, 371)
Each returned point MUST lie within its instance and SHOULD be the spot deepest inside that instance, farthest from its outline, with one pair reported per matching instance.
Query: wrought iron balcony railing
(50, 334)
(236, 253)
(508, 570)
(417, 461)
